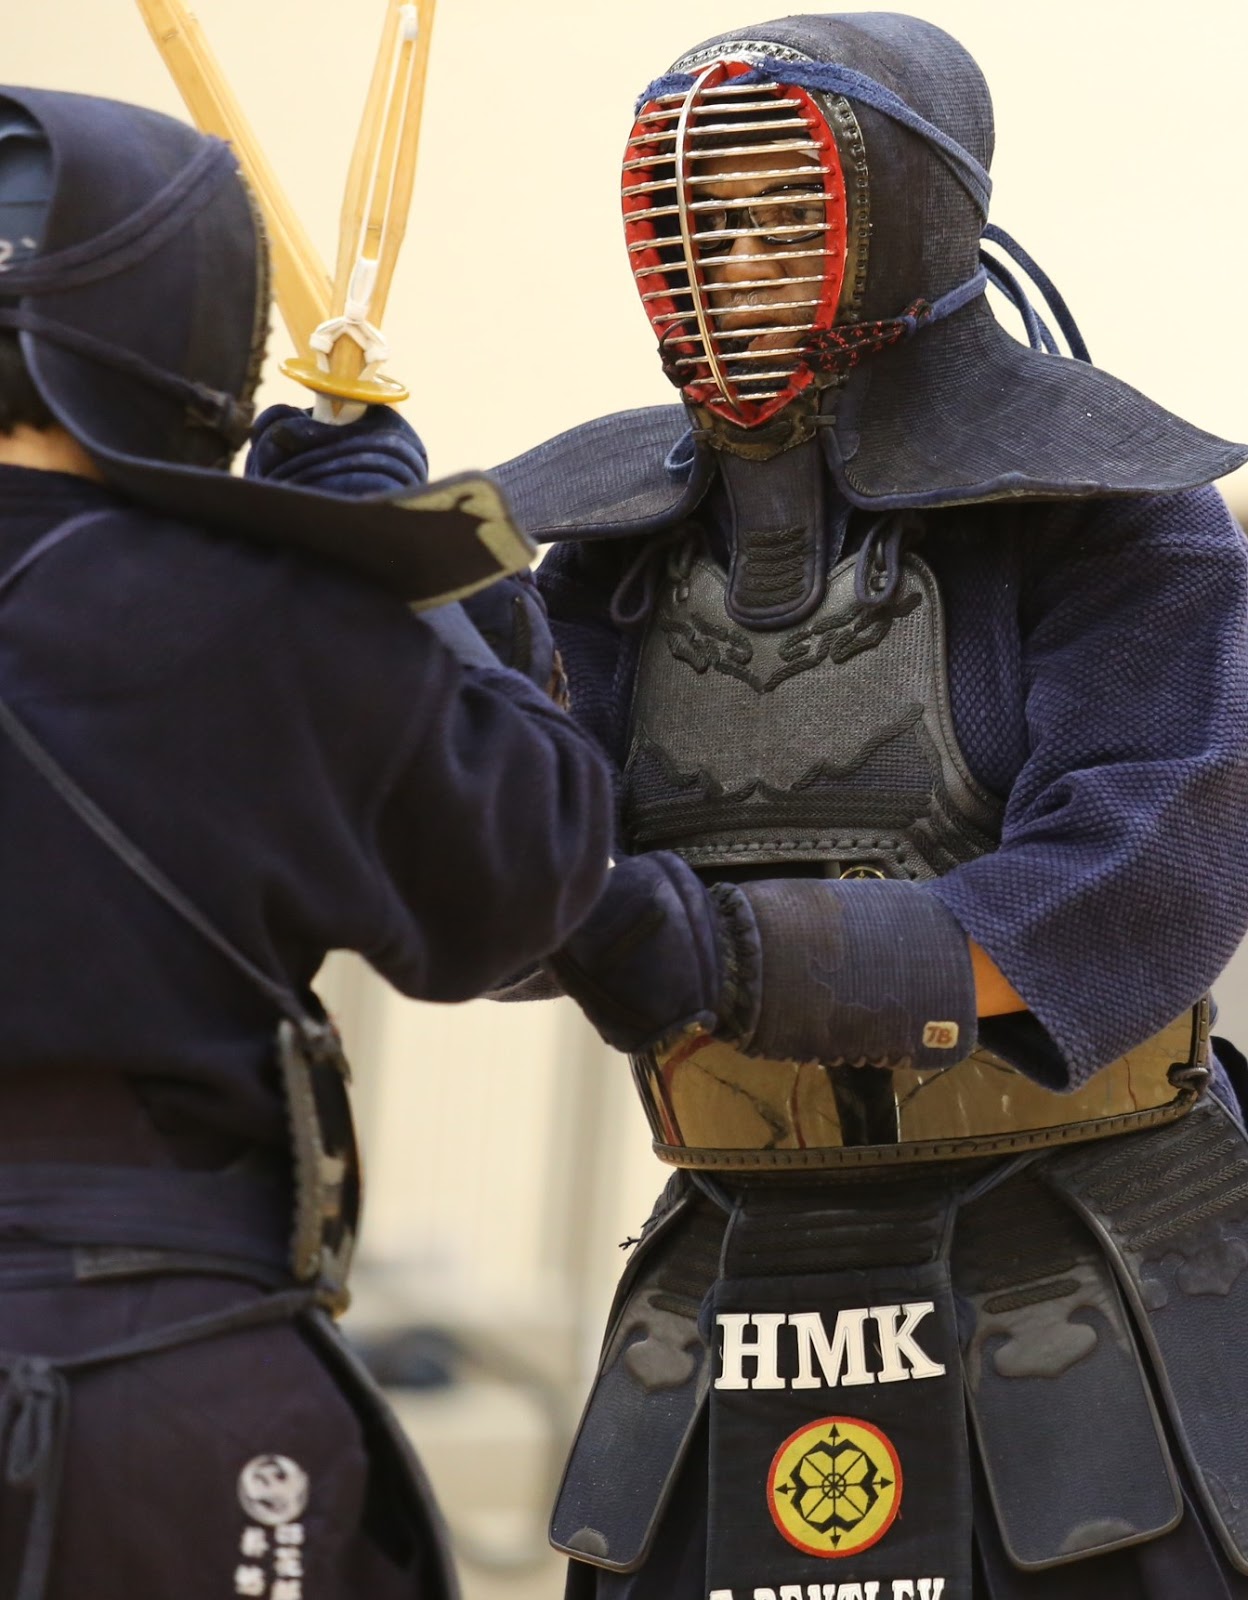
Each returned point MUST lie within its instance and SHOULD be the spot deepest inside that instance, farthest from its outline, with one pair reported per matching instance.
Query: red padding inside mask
(659, 265)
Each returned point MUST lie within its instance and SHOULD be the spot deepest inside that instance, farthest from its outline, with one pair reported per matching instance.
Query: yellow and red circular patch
(835, 1487)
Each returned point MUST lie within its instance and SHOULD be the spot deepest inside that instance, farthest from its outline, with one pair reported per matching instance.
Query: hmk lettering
(838, 1362)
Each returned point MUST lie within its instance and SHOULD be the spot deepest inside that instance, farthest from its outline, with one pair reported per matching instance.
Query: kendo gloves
(378, 455)
(875, 973)
(658, 955)
(382, 455)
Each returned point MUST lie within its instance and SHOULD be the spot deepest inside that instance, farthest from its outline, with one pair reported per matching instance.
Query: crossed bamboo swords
(333, 323)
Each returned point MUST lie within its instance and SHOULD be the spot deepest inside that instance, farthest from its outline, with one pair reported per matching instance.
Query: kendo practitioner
(920, 652)
(229, 746)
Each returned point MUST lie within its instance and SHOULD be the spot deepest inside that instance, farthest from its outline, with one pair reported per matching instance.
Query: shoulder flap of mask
(629, 473)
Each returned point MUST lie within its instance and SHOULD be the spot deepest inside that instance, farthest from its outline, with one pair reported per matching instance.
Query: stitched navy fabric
(1098, 659)
(378, 454)
(296, 751)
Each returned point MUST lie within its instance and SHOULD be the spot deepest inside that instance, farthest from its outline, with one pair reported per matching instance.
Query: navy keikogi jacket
(1098, 667)
(304, 759)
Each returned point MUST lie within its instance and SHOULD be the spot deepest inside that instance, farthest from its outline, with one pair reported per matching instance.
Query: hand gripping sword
(332, 321)
(333, 324)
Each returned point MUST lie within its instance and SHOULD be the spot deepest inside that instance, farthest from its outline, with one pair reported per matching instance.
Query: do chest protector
(828, 746)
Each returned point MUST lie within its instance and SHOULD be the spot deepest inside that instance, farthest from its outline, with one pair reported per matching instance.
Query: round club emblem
(273, 1490)
(835, 1487)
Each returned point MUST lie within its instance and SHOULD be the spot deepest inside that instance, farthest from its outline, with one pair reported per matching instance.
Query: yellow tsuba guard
(363, 391)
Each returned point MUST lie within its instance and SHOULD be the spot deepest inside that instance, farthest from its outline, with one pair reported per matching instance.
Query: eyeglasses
(778, 217)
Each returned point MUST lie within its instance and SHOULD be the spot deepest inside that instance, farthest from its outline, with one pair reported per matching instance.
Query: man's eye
(712, 221)
(797, 214)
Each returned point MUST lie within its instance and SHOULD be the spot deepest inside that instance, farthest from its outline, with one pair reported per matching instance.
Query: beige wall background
(507, 1155)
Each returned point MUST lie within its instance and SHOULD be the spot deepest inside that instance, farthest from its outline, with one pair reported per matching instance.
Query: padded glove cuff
(871, 973)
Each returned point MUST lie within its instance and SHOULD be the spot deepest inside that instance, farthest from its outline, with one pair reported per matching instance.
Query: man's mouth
(751, 308)
(767, 315)
(732, 350)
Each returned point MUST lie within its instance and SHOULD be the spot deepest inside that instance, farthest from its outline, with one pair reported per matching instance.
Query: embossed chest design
(829, 741)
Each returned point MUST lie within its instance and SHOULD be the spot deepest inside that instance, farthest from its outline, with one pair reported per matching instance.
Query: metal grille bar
(725, 89)
(718, 111)
(730, 233)
(691, 255)
(750, 283)
(725, 177)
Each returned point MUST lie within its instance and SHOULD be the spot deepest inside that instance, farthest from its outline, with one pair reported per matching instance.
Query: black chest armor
(828, 740)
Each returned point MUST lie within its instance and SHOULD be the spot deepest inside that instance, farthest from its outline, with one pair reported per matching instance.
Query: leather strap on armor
(1171, 1211)
(1045, 1338)
(640, 1418)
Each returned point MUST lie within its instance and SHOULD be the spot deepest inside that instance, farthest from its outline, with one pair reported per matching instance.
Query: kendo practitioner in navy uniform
(921, 656)
(229, 746)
